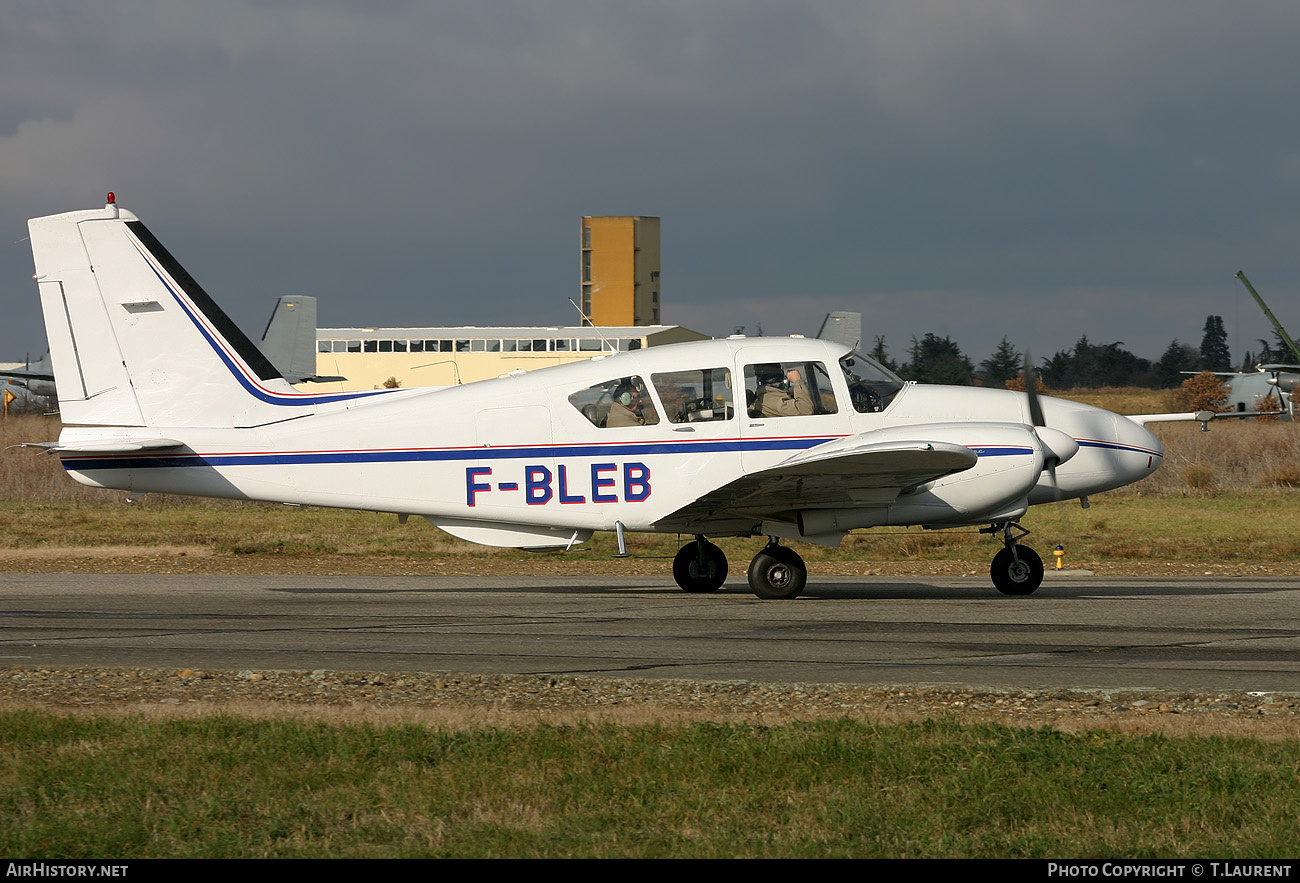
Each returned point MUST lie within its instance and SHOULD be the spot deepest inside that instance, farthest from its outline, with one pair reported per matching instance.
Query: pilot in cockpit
(781, 396)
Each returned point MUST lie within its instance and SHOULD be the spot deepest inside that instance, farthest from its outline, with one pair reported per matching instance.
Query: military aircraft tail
(289, 340)
(135, 340)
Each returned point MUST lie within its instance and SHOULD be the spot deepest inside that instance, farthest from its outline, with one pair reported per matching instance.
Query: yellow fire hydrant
(1059, 552)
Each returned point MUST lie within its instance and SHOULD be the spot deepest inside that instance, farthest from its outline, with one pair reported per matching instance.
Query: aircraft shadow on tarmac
(879, 589)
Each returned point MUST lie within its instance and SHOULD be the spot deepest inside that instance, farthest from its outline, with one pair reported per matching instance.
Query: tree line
(934, 359)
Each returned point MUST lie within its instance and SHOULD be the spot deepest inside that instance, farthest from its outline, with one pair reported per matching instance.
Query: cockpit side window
(788, 389)
(871, 386)
(696, 395)
(622, 401)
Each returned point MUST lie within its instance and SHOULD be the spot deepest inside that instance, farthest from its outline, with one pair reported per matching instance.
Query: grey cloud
(1032, 169)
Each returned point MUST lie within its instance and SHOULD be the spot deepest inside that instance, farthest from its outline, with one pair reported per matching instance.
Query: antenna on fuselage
(586, 320)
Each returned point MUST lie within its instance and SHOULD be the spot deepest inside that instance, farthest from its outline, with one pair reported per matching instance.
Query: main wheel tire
(777, 574)
(1020, 573)
(696, 574)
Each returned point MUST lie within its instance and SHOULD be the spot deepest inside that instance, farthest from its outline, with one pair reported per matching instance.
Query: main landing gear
(700, 566)
(776, 573)
(1017, 569)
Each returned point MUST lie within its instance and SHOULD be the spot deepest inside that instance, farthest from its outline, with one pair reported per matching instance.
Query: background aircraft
(784, 438)
(36, 377)
(289, 340)
(842, 326)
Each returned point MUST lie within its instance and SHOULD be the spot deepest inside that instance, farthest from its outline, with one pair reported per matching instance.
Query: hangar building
(368, 357)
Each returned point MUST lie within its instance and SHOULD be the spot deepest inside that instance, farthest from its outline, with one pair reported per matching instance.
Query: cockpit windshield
(872, 386)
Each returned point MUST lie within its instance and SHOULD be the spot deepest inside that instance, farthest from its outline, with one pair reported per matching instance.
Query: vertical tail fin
(135, 340)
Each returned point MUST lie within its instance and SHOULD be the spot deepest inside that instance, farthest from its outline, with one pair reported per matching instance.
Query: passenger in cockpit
(625, 410)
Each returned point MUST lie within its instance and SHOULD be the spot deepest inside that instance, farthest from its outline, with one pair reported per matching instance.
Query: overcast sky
(974, 168)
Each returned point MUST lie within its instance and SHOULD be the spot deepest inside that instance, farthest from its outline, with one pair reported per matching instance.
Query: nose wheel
(1017, 569)
(777, 573)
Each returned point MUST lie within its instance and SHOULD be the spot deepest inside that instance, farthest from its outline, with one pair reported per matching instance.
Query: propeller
(1057, 445)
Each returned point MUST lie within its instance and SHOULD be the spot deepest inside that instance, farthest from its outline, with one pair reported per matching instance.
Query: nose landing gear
(1017, 569)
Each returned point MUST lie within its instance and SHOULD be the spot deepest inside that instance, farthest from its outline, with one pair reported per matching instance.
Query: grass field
(228, 787)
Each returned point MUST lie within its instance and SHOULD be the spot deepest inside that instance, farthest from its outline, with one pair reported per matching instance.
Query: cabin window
(696, 396)
(872, 386)
(616, 403)
(788, 389)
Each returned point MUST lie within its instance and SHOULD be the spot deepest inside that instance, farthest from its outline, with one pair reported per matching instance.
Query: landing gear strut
(777, 573)
(700, 566)
(1017, 569)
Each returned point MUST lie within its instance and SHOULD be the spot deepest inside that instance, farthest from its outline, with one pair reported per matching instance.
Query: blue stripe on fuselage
(530, 452)
(280, 458)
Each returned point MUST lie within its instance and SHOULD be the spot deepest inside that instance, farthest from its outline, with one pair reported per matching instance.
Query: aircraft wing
(27, 375)
(846, 473)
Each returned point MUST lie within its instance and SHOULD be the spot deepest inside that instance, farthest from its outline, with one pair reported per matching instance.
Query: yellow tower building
(620, 270)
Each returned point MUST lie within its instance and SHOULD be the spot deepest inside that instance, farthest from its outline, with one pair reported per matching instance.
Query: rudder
(135, 340)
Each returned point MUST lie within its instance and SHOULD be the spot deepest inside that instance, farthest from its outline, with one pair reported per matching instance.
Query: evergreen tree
(1179, 357)
(938, 360)
(1003, 365)
(1278, 353)
(1215, 355)
(1094, 365)
(1056, 370)
(880, 353)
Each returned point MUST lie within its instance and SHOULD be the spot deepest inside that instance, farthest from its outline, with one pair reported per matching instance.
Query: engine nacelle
(1011, 459)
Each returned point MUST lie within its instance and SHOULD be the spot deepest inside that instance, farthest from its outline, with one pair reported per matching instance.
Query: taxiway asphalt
(1235, 633)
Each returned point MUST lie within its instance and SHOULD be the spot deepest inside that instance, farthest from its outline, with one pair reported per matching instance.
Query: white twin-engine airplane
(788, 438)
